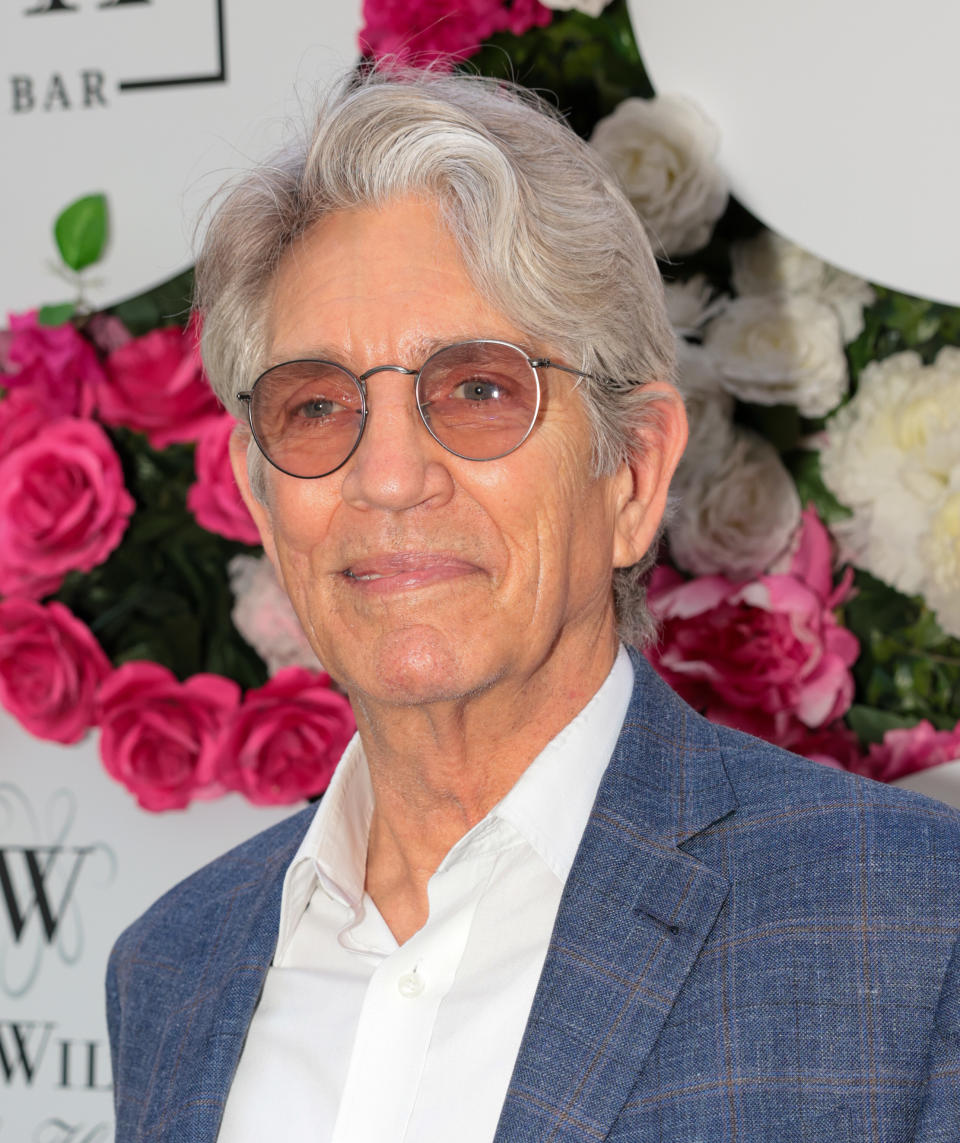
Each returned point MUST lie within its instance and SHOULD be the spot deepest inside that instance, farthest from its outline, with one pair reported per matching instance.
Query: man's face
(420, 576)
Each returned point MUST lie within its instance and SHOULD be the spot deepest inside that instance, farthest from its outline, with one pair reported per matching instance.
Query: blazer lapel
(634, 914)
(200, 1048)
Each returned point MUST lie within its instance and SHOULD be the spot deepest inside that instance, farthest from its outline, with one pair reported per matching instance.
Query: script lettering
(58, 1131)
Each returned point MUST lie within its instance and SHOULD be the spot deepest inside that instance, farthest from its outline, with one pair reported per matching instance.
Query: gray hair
(544, 230)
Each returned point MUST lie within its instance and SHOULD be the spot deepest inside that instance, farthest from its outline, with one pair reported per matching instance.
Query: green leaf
(804, 466)
(582, 64)
(870, 724)
(81, 231)
(56, 315)
(908, 666)
(165, 304)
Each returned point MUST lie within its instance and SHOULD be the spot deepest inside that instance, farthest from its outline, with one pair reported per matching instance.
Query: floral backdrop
(808, 589)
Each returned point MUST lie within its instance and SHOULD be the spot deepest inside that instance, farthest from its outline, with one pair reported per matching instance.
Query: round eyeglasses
(479, 399)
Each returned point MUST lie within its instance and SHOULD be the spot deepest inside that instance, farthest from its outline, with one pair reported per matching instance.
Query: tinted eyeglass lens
(478, 399)
(306, 416)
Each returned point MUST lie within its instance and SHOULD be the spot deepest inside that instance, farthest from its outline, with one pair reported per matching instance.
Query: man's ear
(643, 482)
(239, 443)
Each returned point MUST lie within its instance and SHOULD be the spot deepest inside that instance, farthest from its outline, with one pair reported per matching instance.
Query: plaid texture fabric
(750, 947)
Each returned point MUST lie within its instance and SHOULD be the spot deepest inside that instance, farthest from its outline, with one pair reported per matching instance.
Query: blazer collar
(634, 914)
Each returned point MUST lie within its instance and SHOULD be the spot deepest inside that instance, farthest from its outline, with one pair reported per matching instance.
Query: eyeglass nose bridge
(362, 377)
(361, 380)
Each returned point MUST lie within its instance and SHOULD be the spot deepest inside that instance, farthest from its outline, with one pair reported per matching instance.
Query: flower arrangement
(809, 586)
(120, 517)
(808, 589)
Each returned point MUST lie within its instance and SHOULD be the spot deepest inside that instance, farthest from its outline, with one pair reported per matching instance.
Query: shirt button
(410, 985)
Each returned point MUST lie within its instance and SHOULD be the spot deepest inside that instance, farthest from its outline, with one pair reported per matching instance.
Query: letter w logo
(20, 1053)
(34, 895)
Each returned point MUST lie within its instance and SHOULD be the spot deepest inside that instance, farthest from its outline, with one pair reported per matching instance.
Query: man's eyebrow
(420, 349)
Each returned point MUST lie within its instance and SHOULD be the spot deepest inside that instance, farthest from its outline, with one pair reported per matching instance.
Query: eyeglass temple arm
(546, 363)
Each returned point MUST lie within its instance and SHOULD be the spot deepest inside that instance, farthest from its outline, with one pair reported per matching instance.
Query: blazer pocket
(838, 1125)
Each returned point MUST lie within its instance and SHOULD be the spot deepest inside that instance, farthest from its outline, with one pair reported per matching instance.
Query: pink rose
(63, 506)
(215, 499)
(21, 418)
(426, 32)
(50, 668)
(54, 364)
(155, 384)
(834, 745)
(285, 740)
(159, 735)
(913, 748)
(107, 332)
(759, 656)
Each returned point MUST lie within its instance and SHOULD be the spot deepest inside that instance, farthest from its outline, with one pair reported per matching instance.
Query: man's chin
(414, 666)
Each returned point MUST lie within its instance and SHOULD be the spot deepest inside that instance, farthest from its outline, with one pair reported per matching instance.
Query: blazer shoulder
(776, 786)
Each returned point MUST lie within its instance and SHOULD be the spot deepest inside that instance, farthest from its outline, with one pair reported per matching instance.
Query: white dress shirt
(357, 1039)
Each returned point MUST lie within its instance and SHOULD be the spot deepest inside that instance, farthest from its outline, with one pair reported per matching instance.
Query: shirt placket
(402, 1002)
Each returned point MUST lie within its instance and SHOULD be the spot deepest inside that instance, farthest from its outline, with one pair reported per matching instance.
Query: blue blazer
(750, 947)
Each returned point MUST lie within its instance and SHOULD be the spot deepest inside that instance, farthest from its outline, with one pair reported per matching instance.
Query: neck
(438, 769)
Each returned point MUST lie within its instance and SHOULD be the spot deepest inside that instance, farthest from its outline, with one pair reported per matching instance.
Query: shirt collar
(551, 802)
(334, 848)
(548, 806)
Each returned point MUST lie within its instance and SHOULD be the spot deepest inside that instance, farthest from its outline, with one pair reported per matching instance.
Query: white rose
(588, 7)
(737, 518)
(780, 350)
(892, 455)
(769, 264)
(663, 152)
(709, 413)
(691, 304)
(264, 616)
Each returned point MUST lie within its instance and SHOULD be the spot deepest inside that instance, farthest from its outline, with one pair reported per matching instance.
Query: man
(542, 899)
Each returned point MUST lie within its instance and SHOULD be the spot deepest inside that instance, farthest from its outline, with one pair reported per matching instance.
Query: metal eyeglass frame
(535, 363)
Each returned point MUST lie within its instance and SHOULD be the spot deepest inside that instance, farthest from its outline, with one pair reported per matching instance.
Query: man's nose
(398, 464)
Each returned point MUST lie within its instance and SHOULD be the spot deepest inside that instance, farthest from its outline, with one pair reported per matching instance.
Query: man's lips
(405, 571)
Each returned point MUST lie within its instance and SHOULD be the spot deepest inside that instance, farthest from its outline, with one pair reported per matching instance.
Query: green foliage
(164, 593)
(585, 65)
(780, 424)
(908, 668)
(870, 724)
(56, 315)
(804, 467)
(168, 303)
(81, 231)
(896, 322)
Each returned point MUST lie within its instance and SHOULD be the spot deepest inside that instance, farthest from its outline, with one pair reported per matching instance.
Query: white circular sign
(941, 782)
(839, 122)
(154, 103)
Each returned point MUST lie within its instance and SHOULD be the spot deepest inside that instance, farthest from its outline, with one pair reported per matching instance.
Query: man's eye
(478, 390)
(316, 409)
